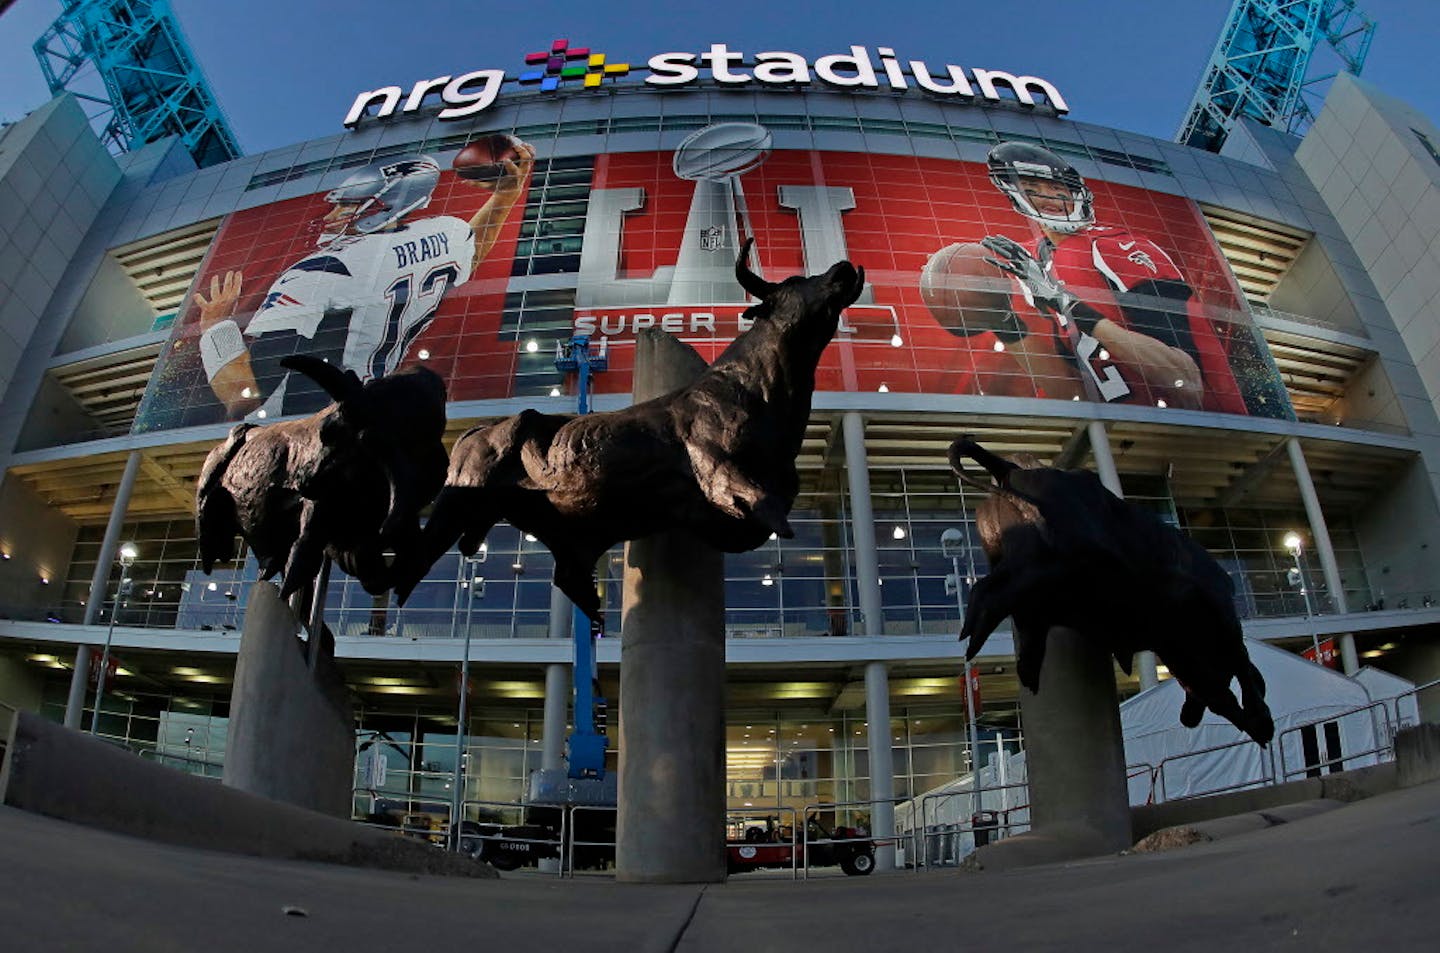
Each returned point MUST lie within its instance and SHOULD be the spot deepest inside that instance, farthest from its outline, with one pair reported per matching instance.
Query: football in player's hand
(965, 293)
(482, 160)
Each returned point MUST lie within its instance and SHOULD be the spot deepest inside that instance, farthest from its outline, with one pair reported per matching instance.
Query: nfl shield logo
(712, 238)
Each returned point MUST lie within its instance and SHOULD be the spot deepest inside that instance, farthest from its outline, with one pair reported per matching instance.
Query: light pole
(1296, 577)
(126, 558)
(952, 543)
(475, 585)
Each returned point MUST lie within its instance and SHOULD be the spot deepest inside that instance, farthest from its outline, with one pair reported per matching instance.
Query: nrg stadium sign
(470, 93)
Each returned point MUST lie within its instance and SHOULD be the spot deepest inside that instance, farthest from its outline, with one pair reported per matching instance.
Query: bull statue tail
(750, 281)
(998, 468)
(340, 385)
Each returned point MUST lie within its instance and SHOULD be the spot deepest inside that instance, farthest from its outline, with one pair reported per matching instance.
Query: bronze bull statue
(1065, 551)
(716, 457)
(348, 481)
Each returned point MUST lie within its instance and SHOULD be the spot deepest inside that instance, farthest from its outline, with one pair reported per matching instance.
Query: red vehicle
(775, 846)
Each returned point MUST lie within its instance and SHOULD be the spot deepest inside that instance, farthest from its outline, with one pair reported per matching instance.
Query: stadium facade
(1290, 288)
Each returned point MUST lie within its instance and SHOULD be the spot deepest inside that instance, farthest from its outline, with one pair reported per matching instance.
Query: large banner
(1016, 278)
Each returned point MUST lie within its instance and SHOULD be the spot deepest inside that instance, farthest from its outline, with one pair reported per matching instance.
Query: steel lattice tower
(1261, 67)
(153, 86)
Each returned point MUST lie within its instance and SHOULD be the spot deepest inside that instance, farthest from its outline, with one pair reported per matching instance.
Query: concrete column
(75, 703)
(1075, 755)
(557, 705)
(882, 762)
(557, 685)
(292, 730)
(862, 526)
(671, 824)
(1320, 535)
(872, 623)
(1144, 662)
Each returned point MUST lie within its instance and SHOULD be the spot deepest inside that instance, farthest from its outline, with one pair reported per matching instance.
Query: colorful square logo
(560, 63)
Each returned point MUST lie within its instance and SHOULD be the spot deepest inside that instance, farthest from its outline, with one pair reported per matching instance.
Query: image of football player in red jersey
(370, 287)
(1110, 304)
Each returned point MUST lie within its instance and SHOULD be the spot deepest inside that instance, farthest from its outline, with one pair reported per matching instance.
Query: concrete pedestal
(671, 825)
(1075, 759)
(292, 729)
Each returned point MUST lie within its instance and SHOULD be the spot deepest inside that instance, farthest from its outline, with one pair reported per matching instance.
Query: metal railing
(832, 806)
(775, 813)
(1412, 693)
(568, 867)
(206, 766)
(1138, 768)
(1267, 763)
(1385, 745)
(999, 823)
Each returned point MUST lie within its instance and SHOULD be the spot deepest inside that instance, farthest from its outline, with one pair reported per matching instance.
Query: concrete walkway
(1362, 877)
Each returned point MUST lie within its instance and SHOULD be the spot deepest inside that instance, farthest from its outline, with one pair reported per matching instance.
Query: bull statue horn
(340, 385)
(750, 281)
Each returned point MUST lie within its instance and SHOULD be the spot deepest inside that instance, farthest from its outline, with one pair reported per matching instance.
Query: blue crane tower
(150, 85)
(587, 743)
(1263, 66)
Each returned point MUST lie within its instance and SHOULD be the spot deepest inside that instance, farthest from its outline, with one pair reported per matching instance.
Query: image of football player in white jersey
(372, 285)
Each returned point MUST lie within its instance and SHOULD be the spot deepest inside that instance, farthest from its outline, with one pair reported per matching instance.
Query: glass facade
(803, 586)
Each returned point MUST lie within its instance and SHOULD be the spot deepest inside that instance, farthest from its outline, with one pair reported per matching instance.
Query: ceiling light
(531, 346)
(999, 346)
(424, 354)
(896, 340)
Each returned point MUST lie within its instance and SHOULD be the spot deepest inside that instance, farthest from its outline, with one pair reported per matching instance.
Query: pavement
(1358, 877)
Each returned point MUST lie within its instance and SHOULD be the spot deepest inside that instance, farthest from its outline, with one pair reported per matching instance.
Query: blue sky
(287, 71)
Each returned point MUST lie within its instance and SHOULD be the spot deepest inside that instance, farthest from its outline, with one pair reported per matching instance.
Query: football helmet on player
(1011, 163)
(381, 194)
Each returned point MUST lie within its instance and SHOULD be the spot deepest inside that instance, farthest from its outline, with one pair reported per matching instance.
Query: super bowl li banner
(1018, 277)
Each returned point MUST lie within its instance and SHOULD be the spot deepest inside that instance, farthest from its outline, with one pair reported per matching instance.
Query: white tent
(1385, 687)
(1316, 708)
(1298, 691)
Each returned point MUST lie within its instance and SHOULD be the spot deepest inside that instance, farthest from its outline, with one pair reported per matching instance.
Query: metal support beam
(862, 527)
(1249, 481)
(1261, 66)
(1099, 440)
(75, 702)
(1076, 449)
(882, 762)
(1320, 535)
